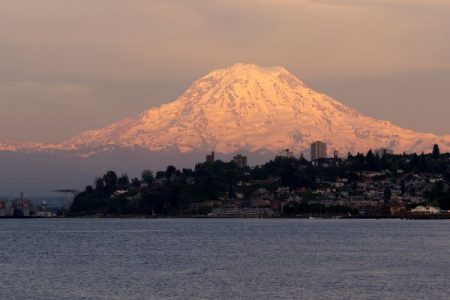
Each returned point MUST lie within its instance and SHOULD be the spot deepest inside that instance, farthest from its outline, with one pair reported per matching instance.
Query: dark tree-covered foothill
(190, 192)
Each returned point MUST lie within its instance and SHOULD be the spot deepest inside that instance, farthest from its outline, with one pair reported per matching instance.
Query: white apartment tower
(318, 150)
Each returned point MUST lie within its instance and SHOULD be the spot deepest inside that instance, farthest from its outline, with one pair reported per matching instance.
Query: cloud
(423, 3)
(16, 90)
(125, 56)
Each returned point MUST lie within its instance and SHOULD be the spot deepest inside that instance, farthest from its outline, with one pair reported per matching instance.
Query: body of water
(224, 259)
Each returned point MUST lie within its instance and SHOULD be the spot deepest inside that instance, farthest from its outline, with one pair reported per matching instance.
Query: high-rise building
(240, 160)
(383, 151)
(285, 153)
(210, 158)
(318, 150)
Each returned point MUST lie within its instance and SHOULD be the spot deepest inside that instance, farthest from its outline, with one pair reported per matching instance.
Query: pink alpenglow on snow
(247, 107)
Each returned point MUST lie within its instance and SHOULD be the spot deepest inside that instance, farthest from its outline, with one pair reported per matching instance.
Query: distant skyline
(67, 66)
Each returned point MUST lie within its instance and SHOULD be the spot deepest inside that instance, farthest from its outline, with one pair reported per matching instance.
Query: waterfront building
(240, 160)
(318, 150)
(22, 207)
(428, 210)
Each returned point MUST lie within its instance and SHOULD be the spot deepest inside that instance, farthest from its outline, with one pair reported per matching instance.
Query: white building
(318, 150)
(428, 210)
(240, 160)
(285, 153)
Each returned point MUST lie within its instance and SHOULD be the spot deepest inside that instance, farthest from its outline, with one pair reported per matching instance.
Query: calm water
(224, 259)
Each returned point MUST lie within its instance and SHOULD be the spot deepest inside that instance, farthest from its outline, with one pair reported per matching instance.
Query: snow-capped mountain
(253, 108)
(26, 146)
(256, 111)
(247, 107)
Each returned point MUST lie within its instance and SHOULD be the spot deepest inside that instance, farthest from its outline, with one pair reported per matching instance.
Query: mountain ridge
(250, 108)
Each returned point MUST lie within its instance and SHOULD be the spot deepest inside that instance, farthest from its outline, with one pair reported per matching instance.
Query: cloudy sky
(71, 65)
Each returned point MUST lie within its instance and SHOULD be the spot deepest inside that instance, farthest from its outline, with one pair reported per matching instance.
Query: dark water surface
(224, 259)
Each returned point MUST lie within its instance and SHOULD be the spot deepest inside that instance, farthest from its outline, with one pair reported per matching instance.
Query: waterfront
(223, 259)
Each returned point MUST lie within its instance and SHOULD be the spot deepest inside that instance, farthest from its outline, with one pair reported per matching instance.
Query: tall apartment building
(318, 150)
(383, 151)
(240, 160)
(210, 158)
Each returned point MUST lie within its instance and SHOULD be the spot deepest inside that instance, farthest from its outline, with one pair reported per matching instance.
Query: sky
(68, 66)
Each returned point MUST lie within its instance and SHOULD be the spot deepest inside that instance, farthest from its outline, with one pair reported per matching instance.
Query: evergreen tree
(415, 162)
(373, 162)
(89, 189)
(147, 177)
(170, 171)
(436, 152)
(99, 185)
(110, 179)
(123, 181)
(135, 182)
(402, 186)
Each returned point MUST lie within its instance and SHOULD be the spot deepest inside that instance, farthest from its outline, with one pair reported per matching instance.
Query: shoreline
(371, 217)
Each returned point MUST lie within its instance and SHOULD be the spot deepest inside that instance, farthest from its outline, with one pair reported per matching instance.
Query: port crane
(69, 195)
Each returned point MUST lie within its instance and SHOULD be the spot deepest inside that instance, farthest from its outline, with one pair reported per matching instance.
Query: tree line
(175, 191)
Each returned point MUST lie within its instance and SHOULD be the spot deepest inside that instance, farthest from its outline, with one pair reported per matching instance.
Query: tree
(170, 171)
(123, 181)
(439, 188)
(387, 195)
(110, 179)
(135, 182)
(403, 188)
(99, 185)
(415, 162)
(147, 177)
(373, 162)
(436, 152)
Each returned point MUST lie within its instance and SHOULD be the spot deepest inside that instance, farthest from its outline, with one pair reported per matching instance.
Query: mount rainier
(247, 107)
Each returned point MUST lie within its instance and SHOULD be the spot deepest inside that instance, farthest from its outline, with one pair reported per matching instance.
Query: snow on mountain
(246, 107)
(13, 146)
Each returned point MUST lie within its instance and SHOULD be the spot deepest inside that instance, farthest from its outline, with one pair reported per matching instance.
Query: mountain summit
(243, 108)
(247, 107)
